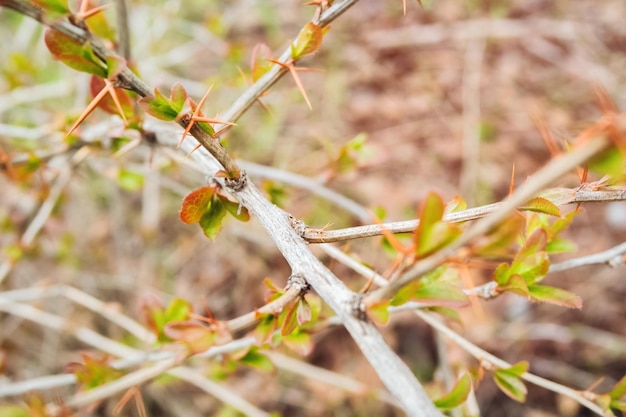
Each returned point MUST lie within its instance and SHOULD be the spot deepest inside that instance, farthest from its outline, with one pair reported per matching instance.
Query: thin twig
(482, 355)
(535, 184)
(612, 257)
(558, 196)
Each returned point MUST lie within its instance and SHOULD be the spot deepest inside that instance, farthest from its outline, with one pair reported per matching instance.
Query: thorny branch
(396, 376)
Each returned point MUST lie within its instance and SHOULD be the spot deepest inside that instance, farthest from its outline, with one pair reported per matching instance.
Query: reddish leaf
(290, 321)
(195, 336)
(107, 103)
(195, 204)
(178, 96)
(74, 54)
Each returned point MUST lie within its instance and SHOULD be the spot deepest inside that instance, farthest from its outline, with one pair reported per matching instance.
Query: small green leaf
(432, 234)
(265, 329)
(195, 204)
(129, 180)
(541, 205)
(158, 106)
(74, 54)
(517, 369)
(211, 220)
(235, 208)
(515, 284)
(379, 312)
(610, 162)
(257, 360)
(560, 245)
(99, 25)
(300, 342)
(308, 41)
(53, 9)
(618, 405)
(457, 395)
(455, 205)
(178, 310)
(545, 294)
(510, 384)
(619, 390)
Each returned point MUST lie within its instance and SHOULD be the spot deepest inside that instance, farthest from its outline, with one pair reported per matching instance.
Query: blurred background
(445, 98)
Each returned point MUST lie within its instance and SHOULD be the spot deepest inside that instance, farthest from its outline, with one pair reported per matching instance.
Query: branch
(530, 189)
(612, 257)
(484, 356)
(558, 196)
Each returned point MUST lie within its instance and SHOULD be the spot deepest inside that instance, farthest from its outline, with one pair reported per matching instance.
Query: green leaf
(560, 245)
(257, 360)
(433, 234)
(618, 405)
(265, 329)
(53, 9)
(543, 293)
(159, 106)
(541, 205)
(515, 284)
(610, 162)
(457, 395)
(195, 204)
(74, 54)
(379, 312)
(511, 384)
(533, 268)
(300, 342)
(455, 205)
(440, 287)
(211, 220)
(178, 310)
(99, 25)
(235, 208)
(308, 41)
(619, 390)
(129, 180)
(446, 312)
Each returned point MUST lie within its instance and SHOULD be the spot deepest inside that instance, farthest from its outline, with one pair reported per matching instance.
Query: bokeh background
(445, 98)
